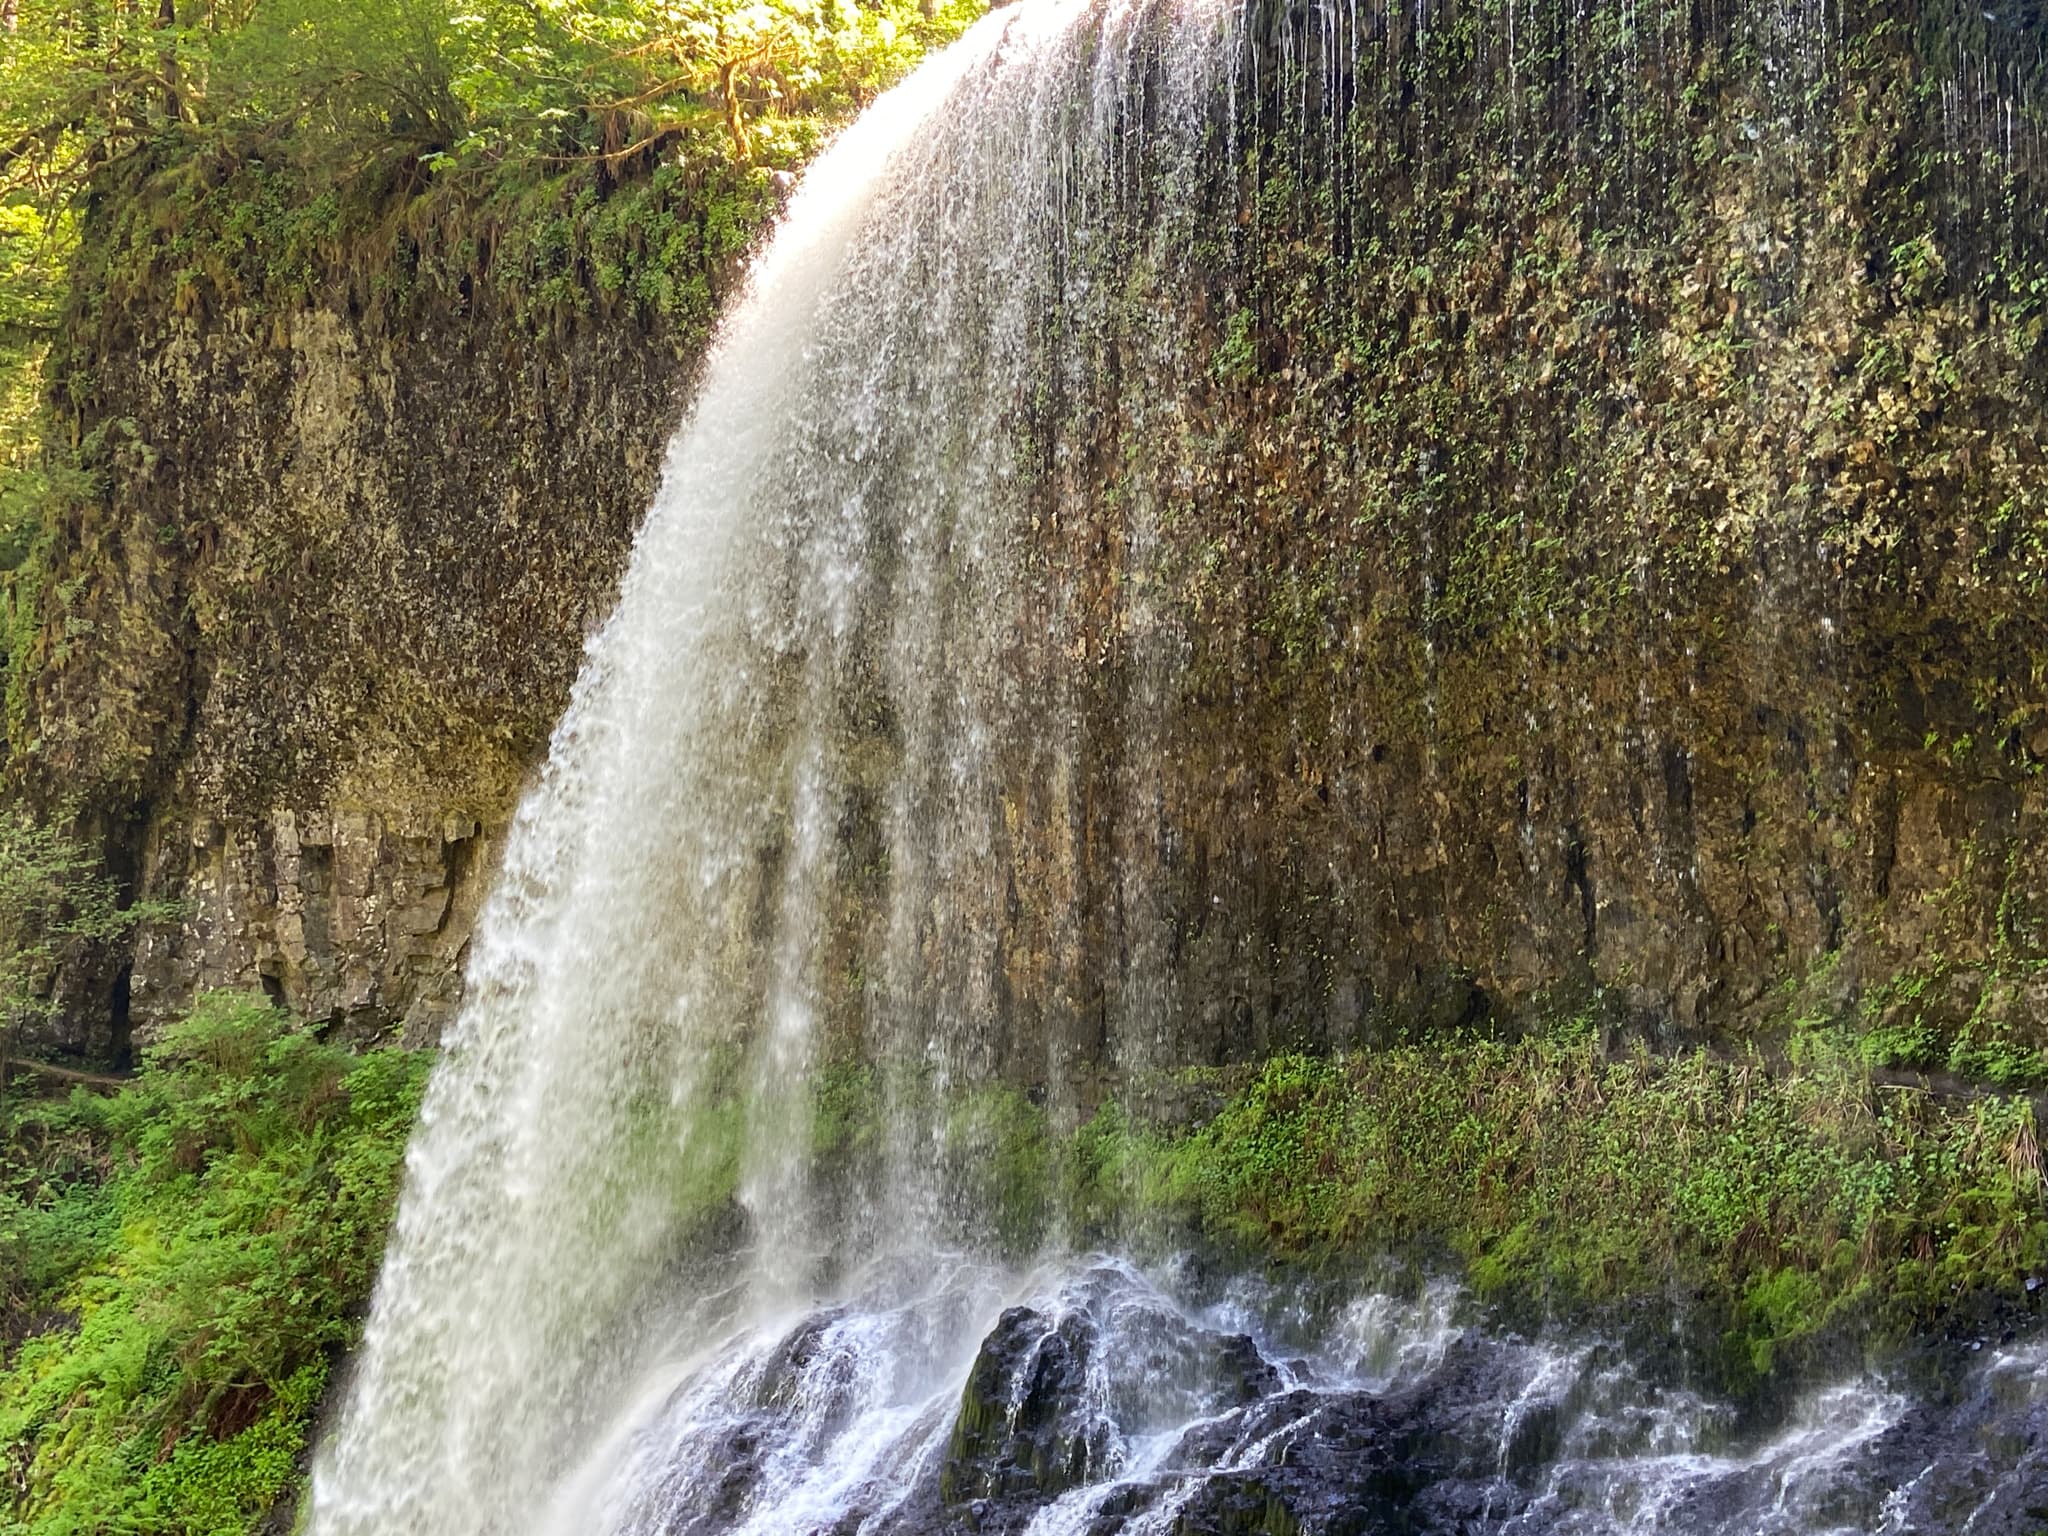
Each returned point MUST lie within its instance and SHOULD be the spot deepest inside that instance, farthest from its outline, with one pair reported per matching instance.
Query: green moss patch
(1796, 1201)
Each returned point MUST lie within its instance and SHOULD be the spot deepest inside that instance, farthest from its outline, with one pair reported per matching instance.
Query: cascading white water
(813, 627)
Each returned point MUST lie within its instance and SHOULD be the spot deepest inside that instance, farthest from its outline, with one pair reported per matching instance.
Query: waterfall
(856, 690)
(806, 673)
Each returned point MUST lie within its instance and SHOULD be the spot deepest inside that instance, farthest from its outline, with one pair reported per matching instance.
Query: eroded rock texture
(1601, 550)
(299, 660)
(1601, 547)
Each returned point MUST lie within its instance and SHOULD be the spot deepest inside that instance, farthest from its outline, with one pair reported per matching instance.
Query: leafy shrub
(1791, 1199)
(185, 1259)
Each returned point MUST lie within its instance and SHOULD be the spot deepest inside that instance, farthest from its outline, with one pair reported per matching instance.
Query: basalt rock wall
(1602, 553)
(338, 536)
(1602, 557)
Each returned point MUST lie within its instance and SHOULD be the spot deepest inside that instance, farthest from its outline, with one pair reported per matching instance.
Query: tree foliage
(31, 282)
(330, 94)
(55, 895)
(85, 81)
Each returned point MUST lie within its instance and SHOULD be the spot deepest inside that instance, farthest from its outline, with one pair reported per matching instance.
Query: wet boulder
(1058, 1393)
(1303, 1463)
(1029, 1425)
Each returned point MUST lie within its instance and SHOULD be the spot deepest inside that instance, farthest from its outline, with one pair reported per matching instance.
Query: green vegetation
(87, 82)
(1791, 1195)
(183, 1260)
(54, 899)
(282, 131)
(1956, 1020)
(591, 152)
(181, 1263)
(1789, 1201)
(31, 286)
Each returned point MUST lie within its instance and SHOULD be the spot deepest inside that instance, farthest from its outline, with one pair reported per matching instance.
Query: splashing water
(810, 637)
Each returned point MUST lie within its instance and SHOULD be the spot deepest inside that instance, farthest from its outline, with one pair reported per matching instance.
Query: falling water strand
(811, 636)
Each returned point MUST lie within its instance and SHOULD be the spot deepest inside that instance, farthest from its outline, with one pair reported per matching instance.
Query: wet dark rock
(782, 1375)
(720, 1502)
(1054, 1402)
(1331, 1465)
(1979, 1464)
(1054, 1399)
(1026, 1426)
(1133, 1414)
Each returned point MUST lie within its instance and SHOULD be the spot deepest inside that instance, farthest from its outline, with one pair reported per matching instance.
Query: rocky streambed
(1095, 1398)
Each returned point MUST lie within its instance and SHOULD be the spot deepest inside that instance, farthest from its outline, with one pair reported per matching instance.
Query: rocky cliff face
(387, 554)
(296, 653)
(1602, 555)
(1622, 527)
(1578, 537)
(1604, 551)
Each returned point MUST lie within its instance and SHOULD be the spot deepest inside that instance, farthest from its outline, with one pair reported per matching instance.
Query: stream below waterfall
(1091, 1398)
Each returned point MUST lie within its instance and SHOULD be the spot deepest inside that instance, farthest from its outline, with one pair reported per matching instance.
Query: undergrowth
(1798, 1201)
(1794, 1201)
(183, 1261)
(181, 1264)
